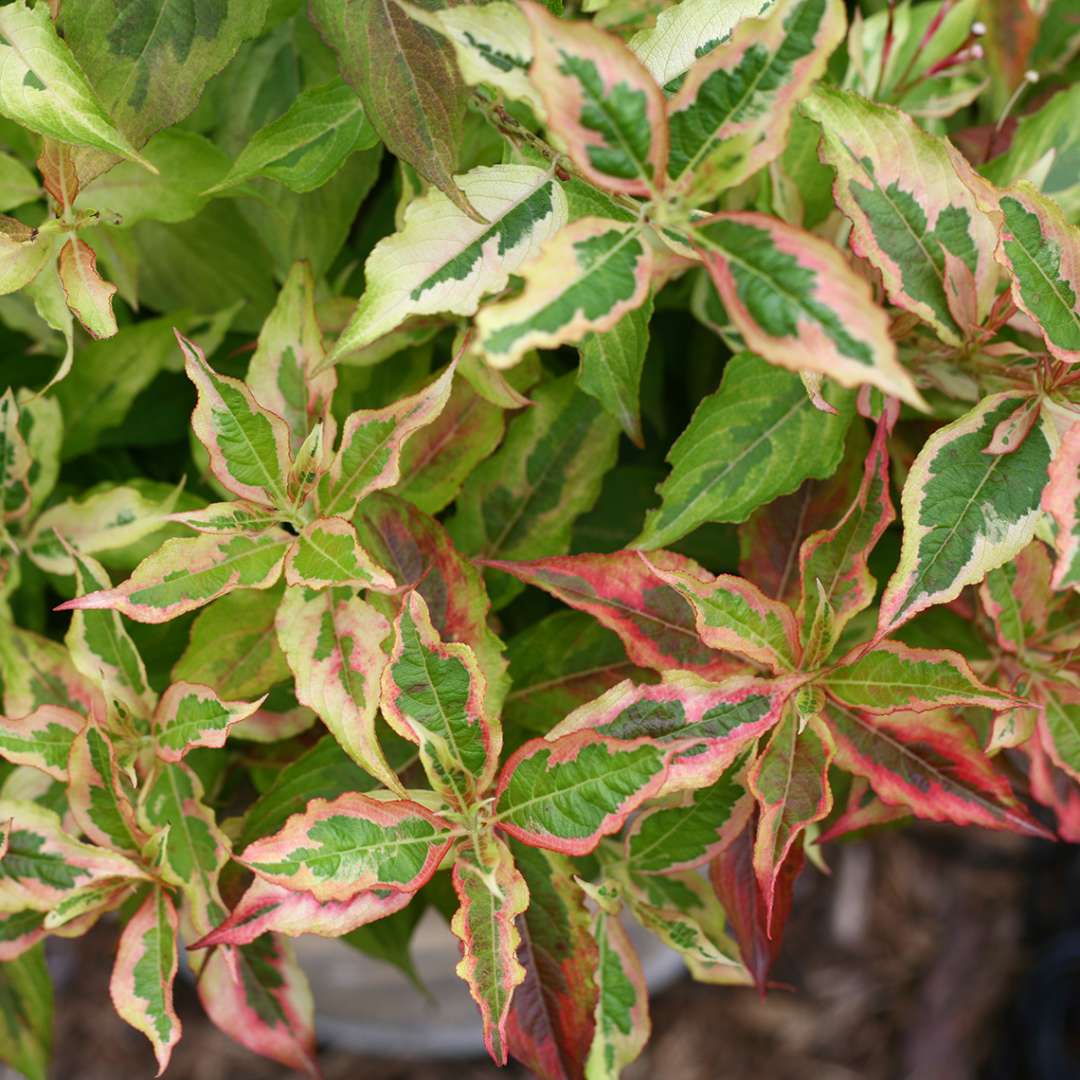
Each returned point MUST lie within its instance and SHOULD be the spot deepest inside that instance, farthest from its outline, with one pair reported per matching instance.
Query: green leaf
(797, 301)
(492, 895)
(965, 512)
(305, 146)
(586, 278)
(568, 794)
(185, 574)
(757, 437)
(913, 216)
(248, 446)
(340, 847)
(600, 102)
(26, 1005)
(732, 114)
(43, 88)
(332, 641)
(433, 695)
(611, 364)
(417, 103)
(141, 986)
(443, 260)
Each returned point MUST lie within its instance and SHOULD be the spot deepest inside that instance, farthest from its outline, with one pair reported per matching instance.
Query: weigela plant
(395, 619)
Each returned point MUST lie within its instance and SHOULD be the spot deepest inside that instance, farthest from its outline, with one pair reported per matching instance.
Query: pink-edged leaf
(340, 847)
(623, 1026)
(372, 440)
(601, 102)
(733, 615)
(1061, 500)
(42, 738)
(290, 349)
(864, 810)
(584, 280)
(1053, 788)
(965, 512)
(88, 295)
(703, 725)
(227, 517)
(327, 553)
(37, 671)
(691, 829)
(258, 995)
(492, 895)
(266, 907)
(567, 794)
(552, 1018)
(1059, 726)
(419, 553)
(43, 863)
(732, 113)
(141, 986)
(797, 302)
(892, 677)
(911, 211)
(247, 444)
(333, 642)
(1014, 429)
(190, 715)
(627, 594)
(20, 931)
(929, 763)
(433, 695)
(791, 784)
(833, 563)
(100, 796)
(733, 878)
(184, 574)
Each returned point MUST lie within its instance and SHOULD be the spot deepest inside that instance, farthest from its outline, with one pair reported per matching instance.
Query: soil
(926, 953)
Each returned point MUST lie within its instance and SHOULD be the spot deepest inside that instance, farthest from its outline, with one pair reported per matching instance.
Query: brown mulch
(903, 963)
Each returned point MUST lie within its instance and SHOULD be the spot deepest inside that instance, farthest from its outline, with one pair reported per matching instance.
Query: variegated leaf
(1018, 598)
(1061, 500)
(433, 695)
(601, 103)
(552, 1017)
(833, 563)
(332, 641)
(706, 725)
(248, 445)
(965, 512)
(184, 574)
(41, 738)
(258, 995)
(327, 553)
(797, 302)
(892, 677)
(909, 206)
(100, 796)
(281, 374)
(633, 597)
(141, 986)
(622, 1008)
(567, 794)
(1059, 726)
(443, 260)
(791, 784)
(88, 295)
(103, 651)
(757, 437)
(732, 114)
(234, 516)
(37, 671)
(26, 993)
(492, 895)
(190, 715)
(192, 848)
(15, 461)
(19, 932)
(929, 763)
(732, 615)
(43, 863)
(340, 847)
(266, 908)
(369, 457)
(584, 280)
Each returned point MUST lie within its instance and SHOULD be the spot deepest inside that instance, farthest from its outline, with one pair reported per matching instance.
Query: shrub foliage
(398, 617)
